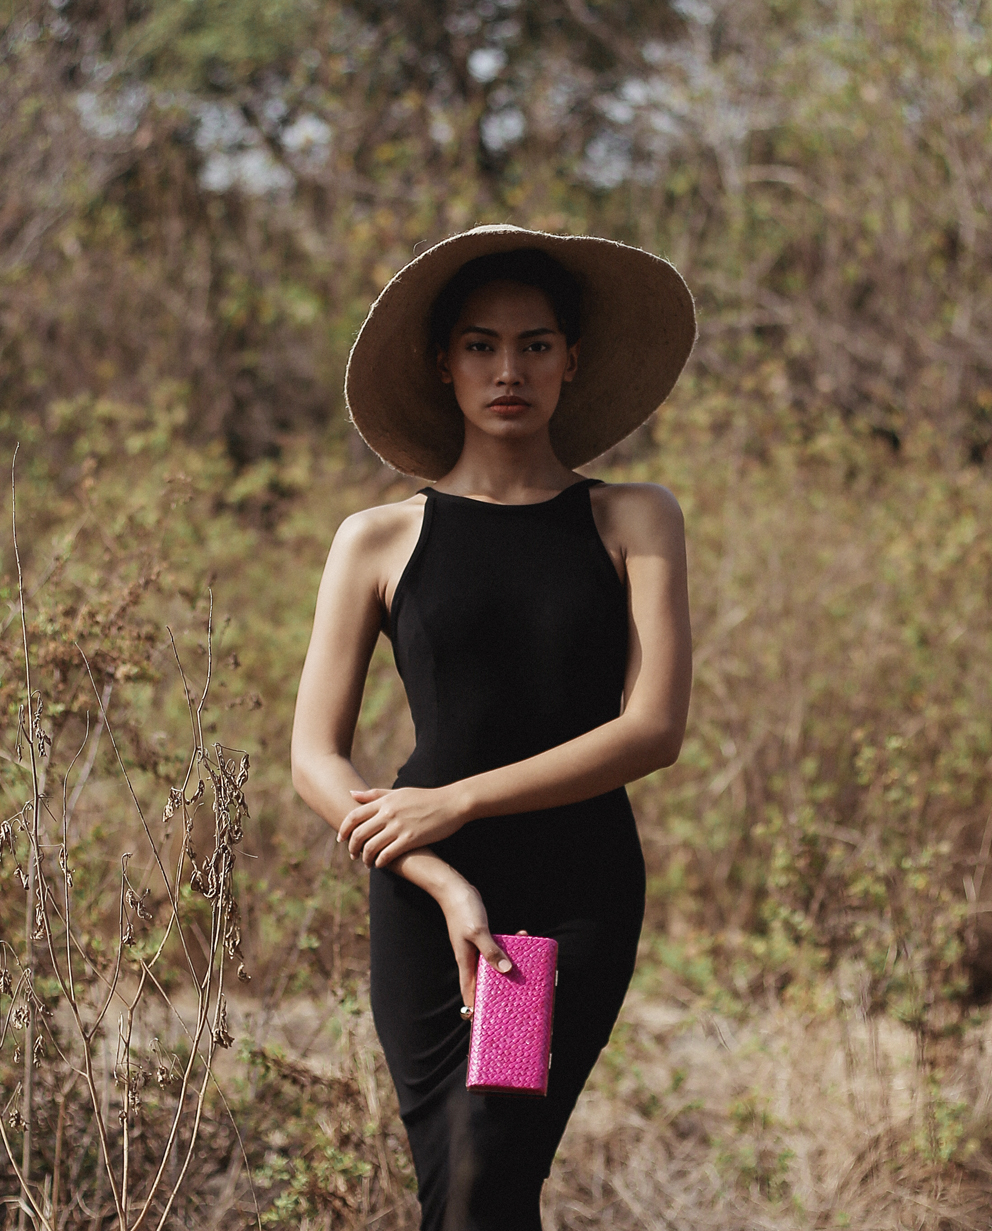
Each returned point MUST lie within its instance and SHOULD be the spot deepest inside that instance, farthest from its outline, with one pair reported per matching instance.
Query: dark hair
(529, 266)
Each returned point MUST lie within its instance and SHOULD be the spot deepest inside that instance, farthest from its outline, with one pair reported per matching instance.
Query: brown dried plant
(85, 988)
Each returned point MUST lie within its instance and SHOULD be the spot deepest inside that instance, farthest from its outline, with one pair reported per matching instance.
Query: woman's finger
(348, 827)
(376, 845)
(493, 954)
(467, 957)
(466, 980)
(368, 829)
(395, 848)
(362, 813)
(356, 817)
(367, 794)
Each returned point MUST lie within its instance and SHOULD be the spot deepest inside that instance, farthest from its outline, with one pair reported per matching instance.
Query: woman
(539, 621)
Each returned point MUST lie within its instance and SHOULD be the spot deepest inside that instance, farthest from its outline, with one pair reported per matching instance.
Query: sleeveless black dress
(509, 629)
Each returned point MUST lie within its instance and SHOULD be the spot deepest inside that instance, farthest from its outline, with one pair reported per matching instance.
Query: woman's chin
(511, 428)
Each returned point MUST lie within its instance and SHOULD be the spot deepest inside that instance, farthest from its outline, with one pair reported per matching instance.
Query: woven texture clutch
(510, 1048)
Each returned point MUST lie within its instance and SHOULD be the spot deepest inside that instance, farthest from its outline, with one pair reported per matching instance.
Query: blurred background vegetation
(198, 201)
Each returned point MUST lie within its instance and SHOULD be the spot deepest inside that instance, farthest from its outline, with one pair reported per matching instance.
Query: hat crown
(497, 228)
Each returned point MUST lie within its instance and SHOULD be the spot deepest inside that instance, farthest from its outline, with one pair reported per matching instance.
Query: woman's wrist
(432, 874)
(461, 799)
(452, 890)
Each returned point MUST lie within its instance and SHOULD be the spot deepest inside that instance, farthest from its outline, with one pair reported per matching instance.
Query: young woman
(540, 623)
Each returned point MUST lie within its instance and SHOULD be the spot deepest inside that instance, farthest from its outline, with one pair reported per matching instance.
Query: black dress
(509, 629)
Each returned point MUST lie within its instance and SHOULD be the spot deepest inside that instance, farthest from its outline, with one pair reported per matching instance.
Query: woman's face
(506, 359)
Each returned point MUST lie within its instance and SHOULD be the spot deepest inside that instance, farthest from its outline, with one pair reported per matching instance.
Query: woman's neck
(507, 471)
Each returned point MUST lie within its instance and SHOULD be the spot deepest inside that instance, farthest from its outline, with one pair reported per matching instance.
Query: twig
(55, 561)
(66, 873)
(47, 910)
(57, 1164)
(141, 816)
(84, 773)
(25, 1191)
(29, 921)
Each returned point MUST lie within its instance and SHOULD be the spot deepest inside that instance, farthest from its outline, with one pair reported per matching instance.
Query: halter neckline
(496, 504)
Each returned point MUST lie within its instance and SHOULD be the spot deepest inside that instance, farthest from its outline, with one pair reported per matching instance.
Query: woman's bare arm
(365, 557)
(647, 522)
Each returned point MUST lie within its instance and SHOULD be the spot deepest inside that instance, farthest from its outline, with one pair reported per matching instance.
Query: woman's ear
(572, 364)
(442, 366)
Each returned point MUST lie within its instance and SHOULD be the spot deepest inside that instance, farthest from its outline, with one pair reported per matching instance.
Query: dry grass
(785, 1121)
(799, 1116)
(806, 862)
(818, 857)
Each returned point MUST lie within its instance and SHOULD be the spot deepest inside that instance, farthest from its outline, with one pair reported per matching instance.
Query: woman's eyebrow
(493, 333)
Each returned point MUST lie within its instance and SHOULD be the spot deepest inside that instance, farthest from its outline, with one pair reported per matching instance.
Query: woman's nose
(508, 373)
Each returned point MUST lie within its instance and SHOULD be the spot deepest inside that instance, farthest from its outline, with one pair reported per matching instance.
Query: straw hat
(638, 327)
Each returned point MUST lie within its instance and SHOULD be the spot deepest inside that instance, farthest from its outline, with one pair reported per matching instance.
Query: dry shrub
(118, 982)
(821, 174)
(693, 1120)
(281, 1143)
(73, 976)
(819, 854)
(808, 855)
(833, 791)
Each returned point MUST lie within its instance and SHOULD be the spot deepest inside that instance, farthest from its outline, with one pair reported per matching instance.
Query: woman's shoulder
(637, 510)
(381, 525)
(371, 546)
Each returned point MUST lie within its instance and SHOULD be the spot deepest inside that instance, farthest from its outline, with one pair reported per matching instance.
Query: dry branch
(140, 1193)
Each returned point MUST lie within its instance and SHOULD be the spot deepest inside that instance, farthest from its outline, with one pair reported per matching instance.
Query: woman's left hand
(388, 823)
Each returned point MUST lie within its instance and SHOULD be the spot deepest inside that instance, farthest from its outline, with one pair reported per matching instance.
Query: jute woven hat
(638, 327)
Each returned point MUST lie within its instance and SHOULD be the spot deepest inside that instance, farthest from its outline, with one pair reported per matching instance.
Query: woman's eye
(478, 346)
(539, 347)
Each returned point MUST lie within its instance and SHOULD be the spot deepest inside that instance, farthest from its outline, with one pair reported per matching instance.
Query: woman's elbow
(312, 769)
(300, 771)
(298, 776)
(668, 752)
(662, 745)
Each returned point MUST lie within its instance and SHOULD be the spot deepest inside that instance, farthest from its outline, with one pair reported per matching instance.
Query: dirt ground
(788, 1120)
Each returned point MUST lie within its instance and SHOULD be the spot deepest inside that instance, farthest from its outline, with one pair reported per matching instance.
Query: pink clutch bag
(510, 1048)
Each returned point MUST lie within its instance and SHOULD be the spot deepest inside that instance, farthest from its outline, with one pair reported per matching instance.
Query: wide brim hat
(638, 327)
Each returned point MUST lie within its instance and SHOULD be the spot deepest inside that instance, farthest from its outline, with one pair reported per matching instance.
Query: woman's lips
(508, 406)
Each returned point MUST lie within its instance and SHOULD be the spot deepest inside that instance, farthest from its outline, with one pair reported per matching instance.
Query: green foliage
(212, 42)
(231, 182)
(941, 1132)
(314, 1141)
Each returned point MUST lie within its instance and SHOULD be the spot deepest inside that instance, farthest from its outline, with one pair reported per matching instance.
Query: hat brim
(638, 328)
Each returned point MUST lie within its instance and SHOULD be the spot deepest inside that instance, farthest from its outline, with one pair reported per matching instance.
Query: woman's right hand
(468, 928)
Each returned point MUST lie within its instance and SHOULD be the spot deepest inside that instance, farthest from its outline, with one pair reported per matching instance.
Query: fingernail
(504, 966)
